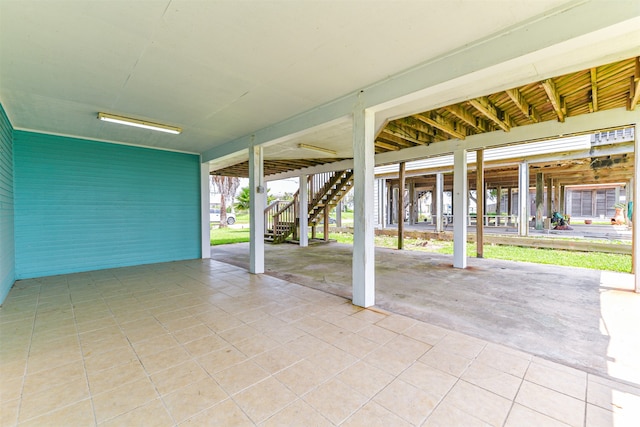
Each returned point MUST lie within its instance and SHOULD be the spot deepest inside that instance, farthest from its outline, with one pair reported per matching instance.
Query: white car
(214, 216)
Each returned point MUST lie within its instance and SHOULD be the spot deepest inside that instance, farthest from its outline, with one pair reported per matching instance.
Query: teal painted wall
(84, 205)
(7, 243)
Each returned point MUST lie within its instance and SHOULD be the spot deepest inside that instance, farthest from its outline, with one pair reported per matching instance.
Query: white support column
(303, 198)
(460, 194)
(363, 231)
(257, 204)
(523, 199)
(635, 242)
(438, 196)
(205, 225)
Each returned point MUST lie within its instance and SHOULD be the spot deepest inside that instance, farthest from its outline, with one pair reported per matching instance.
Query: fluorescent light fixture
(138, 123)
(320, 149)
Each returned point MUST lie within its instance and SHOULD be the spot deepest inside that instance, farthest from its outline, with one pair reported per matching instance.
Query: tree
(243, 199)
(227, 187)
(242, 203)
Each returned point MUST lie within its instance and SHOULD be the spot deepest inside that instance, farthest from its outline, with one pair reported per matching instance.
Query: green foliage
(243, 199)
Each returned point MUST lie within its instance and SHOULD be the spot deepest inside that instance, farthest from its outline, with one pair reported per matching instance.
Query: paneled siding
(84, 205)
(7, 247)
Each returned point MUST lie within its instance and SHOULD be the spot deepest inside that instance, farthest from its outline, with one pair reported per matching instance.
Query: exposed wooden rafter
(484, 106)
(605, 87)
(593, 105)
(469, 119)
(389, 136)
(423, 135)
(523, 105)
(634, 90)
(439, 122)
(556, 100)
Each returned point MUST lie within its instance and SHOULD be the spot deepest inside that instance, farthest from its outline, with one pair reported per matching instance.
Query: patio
(205, 343)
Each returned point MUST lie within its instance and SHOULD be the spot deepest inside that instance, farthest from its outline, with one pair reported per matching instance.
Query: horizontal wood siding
(84, 205)
(7, 246)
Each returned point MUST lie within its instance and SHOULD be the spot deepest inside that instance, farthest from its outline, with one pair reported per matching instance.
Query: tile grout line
(26, 365)
(513, 401)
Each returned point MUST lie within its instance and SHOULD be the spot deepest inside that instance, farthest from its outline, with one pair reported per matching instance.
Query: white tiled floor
(205, 343)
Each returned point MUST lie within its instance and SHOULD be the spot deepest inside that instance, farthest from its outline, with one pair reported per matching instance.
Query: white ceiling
(220, 69)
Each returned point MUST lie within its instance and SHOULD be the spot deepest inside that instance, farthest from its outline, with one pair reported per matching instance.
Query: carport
(578, 317)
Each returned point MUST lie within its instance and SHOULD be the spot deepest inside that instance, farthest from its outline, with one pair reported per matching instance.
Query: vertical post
(523, 199)
(382, 203)
(498, 204)
(363, 246)
(635, 243)
(509, 204)
(556, 196)
(460, 193)
(438, 196)
(205, 225)
(325, 228)
(412, 202)
(480, 194)
(401, 177)
(339, 214)
(257, 205)
(549, 196)
(303, 199)
(539, 200)
(562, 200)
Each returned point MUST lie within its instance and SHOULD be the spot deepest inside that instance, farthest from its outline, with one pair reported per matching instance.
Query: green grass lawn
(593, 260)
(223, 236)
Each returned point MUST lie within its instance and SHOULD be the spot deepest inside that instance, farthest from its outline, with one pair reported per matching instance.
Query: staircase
(325, 190)
(280, 219)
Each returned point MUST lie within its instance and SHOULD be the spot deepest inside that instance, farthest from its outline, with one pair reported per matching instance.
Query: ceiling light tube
(320, 149)
(138, 123)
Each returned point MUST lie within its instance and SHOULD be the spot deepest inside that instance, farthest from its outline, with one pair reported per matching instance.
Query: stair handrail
(333, 179)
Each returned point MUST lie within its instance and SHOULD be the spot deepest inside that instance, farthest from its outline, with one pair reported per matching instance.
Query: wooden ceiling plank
(554, 98)
(439, 122)
(484, 106)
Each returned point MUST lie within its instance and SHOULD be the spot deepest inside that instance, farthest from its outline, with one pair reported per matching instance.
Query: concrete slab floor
(582, 318)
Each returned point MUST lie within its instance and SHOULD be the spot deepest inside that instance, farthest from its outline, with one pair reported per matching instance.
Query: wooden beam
(557, 102)
(593, 105)
(491, 112)
(402, 135)
(395, 131)
(386, 145)
(389, 137)
(634, 90)
(523, 105)
(413, 124)
(439, 122)
(468, 118)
